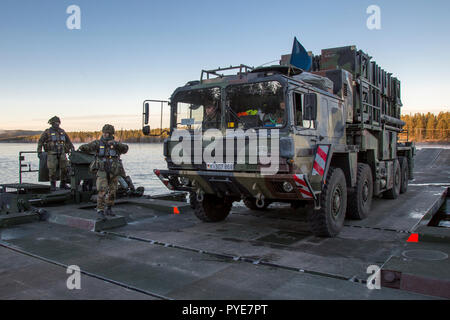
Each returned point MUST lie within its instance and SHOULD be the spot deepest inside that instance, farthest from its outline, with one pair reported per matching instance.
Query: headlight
(287, 186)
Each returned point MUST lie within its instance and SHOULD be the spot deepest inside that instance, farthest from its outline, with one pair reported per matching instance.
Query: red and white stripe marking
(302, 186)
(320, 161)
(164, 181)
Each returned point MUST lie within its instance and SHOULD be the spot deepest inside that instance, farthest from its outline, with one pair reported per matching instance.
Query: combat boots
(101, 215)
(53, 185)
(109, 212)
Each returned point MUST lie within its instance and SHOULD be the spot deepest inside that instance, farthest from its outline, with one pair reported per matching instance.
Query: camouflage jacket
(54, 141)
(107, 156)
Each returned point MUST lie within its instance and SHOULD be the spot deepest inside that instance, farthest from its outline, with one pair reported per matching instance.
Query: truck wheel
(405, 174)
(251, 204)
(395, 191)
(192, 199)
(360, 201)
(212, 208)
(329, 219)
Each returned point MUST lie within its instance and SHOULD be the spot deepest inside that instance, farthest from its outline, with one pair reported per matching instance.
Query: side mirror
(310, 112)
(146, 113)
(157, 131)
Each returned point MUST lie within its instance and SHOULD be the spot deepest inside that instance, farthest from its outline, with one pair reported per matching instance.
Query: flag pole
(292, 51)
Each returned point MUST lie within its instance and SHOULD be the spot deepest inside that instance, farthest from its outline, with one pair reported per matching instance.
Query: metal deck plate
(250, 255)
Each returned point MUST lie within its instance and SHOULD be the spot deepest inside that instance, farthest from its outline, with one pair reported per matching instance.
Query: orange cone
(414, 237)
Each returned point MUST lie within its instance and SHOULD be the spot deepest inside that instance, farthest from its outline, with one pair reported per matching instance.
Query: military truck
(334, 131)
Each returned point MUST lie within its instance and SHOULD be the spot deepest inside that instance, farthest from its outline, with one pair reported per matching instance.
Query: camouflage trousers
(106, 191)
(55, 163)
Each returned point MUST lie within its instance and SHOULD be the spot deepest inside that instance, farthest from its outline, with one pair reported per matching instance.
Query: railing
(215, 71)
(21, 165)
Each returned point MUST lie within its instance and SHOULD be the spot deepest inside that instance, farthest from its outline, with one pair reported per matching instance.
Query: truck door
(335, 123)
(305, 134)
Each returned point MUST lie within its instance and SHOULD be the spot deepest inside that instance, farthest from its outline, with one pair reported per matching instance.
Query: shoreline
(162, 140)
(76, 142)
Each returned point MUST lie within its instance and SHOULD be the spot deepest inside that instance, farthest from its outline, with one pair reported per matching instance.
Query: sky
(128, 51)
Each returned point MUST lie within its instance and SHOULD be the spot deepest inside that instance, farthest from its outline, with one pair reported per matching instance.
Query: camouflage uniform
(56, 143)
(108, 167)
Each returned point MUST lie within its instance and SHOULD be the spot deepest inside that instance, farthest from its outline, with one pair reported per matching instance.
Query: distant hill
(81, 136)
(14, 135)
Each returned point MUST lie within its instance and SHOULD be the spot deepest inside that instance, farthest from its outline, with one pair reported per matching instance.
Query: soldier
(212, 116)
(276, 118)
(108, 167)
(56, 143)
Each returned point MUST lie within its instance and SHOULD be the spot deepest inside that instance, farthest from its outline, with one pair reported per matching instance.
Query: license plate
(220, 166)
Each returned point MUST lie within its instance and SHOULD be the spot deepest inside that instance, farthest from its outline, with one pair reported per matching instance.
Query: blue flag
(299, 56)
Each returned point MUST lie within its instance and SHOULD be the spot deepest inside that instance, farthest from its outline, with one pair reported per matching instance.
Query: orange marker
(175, 210)
(414, 237)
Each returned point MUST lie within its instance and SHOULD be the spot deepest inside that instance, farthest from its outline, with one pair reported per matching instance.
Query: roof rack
(215, 71)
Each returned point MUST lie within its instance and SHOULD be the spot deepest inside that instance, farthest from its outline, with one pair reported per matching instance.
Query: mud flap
(303, 186)
(321, 160)
(320, 168)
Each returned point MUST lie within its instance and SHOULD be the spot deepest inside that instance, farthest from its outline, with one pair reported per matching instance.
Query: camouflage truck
(334, 130)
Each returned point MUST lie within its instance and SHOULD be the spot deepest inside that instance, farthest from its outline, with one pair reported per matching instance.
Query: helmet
(108, 128)
(54, 119)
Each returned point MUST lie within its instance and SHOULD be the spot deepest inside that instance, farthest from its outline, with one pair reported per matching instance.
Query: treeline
(120, 135)
(420, 127)
(423, 127)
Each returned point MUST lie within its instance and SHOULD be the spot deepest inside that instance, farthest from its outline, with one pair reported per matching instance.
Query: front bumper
(239, 184)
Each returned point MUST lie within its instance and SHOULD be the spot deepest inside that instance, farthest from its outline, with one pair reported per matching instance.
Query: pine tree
(431, 126)
(442, 130)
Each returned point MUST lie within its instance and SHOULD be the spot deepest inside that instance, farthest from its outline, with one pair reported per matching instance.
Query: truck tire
(251, 204)
(360, 200)
(192, 199)
(212, 208)
(329, 219)
(395, 191)
(405, 174)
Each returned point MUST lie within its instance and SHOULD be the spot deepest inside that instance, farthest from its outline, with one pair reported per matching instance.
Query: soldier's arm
(121, 147)
(89, 147)
(43, 138)
(69, 142)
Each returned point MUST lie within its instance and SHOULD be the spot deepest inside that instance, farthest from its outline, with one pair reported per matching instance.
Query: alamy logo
(241, 147)
(74, 20)
(374, 20)
(374, 280)
(74, 280)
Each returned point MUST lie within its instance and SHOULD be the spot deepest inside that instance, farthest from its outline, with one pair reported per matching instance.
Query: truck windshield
(255, 105)
(198, 109)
